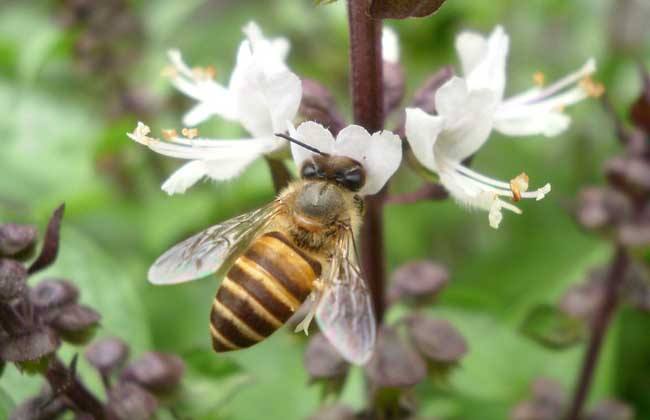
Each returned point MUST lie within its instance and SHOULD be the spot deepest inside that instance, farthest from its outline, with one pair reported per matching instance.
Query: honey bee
(300, 246)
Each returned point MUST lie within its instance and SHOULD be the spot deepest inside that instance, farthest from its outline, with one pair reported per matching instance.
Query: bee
(298, 248)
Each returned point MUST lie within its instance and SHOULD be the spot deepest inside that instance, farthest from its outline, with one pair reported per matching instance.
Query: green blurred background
(63, 119)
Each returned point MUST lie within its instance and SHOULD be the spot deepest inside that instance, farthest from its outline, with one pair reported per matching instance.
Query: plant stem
(599, 330)
(65, 382)
(366, 85)
(279, 173)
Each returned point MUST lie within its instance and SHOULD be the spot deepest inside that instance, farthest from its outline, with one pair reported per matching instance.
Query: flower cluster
(265, 98)
(34, 321)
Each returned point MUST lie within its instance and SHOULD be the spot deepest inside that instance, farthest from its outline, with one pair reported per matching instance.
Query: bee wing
(208, 251)
(344, 313)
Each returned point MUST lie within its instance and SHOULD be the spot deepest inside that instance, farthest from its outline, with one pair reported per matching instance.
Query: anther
(519, 185)
(190, 133)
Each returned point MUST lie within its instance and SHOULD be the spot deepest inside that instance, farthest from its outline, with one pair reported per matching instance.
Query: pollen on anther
(519, 185)
(592, 88)
(190, 133)
(204, 73)
(539, 78)
(169, 134)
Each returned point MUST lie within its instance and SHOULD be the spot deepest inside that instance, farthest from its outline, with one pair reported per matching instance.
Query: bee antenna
(301, 144)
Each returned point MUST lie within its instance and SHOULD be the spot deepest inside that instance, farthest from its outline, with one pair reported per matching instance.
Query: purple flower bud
(600, 208)
(17, 239)
(159, 373)
(547, 403)
(76, 323)
(323, 361)
(394, 364)
(394, 86)
(420, 280)
(12, 279)
(436, 339)
(318, 105)
(40, 407)
(610, 410)
(334, 412)
(54, 293)
(630, 174)
(402, 9)
(583, 300)
(635, 235)
(107, 354)
(50, 248)
(30, 348)
(636, 287)
(129, 401)
(640, 112)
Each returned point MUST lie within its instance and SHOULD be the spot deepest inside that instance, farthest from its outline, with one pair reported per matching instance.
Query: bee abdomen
(264, 287)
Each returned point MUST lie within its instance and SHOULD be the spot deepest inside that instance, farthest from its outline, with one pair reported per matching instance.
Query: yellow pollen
(204, 73)
(169, 134)
(190, 133)
(592, 88)
(169, 71)
(519, 185)
(539, 78)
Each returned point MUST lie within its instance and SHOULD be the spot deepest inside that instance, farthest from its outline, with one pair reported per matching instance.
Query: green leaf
(6, 404)
(552, 328)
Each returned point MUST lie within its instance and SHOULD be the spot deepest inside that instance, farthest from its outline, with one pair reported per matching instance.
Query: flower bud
(159, 373)
(610, 410)
(318, 105)
(394, 364)
(418, 280)
(334, 412)
(323, 361)
(635, 235)
(53, 293)
(547, 403)
(600, 208)
(640, 112)
(17, 240)
(76, 323)
(30, 351)
(582, 301)
(40, 407)
(12, 279)
(630, 174)
(129, 401)
(436, 339)
(402, 9)
(107, 354)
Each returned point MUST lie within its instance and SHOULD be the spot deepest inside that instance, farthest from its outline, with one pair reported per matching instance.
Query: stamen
(592, 88)
(539, 78)
(169, 134)
(190, 133)
(518, 185)
(306, 321)
(140, 134)
(203, 73)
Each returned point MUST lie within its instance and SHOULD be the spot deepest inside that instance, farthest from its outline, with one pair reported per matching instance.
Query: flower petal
(422, 132)
(312, 134)
(380, 154)
(490, 72)
(471, 48)
(549, 124)
(468, 117)
(389, 45)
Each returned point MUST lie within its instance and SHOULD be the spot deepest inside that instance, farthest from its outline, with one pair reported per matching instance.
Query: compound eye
(354, 179)
(309, 171)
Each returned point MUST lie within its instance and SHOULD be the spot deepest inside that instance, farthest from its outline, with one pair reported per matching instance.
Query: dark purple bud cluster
(549, 402)
(35, 320)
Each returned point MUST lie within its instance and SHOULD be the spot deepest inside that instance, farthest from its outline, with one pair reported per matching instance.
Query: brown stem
(64, 381)
(426, 192)
(279, 173)
(366, 87)
(599, 330)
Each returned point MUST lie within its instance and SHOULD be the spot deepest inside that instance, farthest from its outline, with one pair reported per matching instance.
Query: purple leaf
(51, 243)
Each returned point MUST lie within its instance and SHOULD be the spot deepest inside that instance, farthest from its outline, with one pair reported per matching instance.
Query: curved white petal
(490, 72)
(422, 131)
(471, 48)
(381, 159)
(389, 45)
(549, 124)
(468, 118)
(312, 134)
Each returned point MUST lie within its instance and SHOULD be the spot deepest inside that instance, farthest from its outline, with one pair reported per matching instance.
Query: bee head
(341, 170)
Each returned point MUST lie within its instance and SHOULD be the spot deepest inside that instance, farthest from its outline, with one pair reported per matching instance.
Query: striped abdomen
(264, 287)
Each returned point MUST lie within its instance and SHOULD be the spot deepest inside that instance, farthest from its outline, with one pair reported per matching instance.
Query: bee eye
(353, 179)
(309, 171)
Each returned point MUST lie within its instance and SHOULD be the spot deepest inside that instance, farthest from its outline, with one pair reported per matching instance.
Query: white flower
(469, 108)
(379, 154)
(389, 45)
(262, 95)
